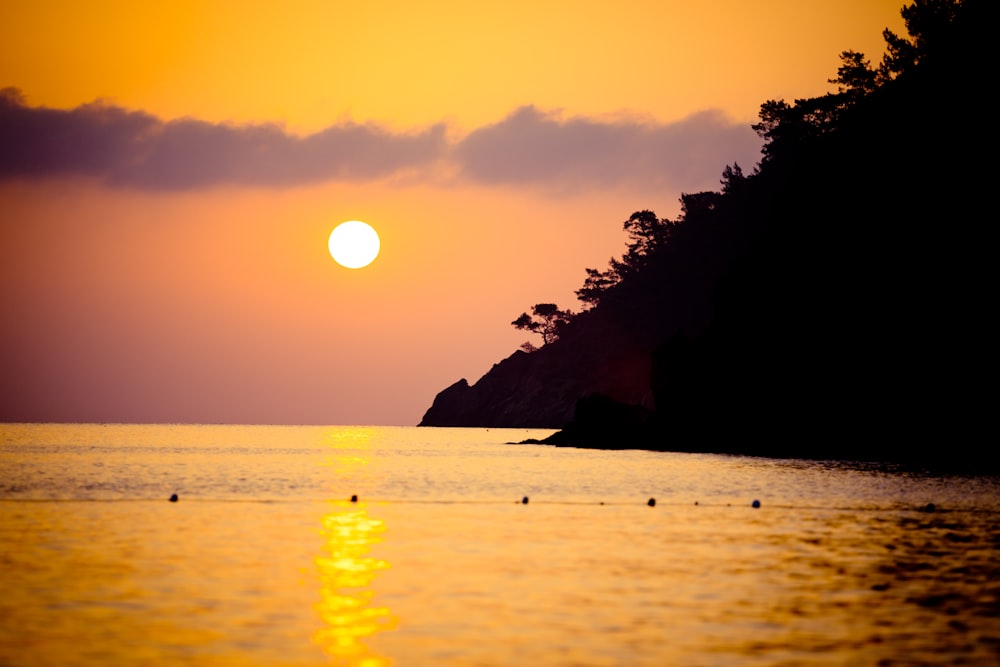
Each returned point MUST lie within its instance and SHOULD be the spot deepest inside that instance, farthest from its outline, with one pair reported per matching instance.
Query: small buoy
(173, 497)
(524, 501)
(755, 504)
(354, 498)
(696, 502)
(651, 502)
(929, 507)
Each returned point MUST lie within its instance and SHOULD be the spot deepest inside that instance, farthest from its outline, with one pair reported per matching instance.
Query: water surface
(265, 561)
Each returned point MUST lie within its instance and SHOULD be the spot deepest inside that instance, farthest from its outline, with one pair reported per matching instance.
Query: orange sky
(171, 273)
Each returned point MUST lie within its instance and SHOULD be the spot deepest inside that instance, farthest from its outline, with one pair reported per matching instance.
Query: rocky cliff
(541, 388)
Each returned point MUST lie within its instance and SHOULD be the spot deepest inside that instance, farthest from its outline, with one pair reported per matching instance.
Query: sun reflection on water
(346, 569)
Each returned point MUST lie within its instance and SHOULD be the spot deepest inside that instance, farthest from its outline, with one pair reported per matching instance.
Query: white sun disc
(354, 244)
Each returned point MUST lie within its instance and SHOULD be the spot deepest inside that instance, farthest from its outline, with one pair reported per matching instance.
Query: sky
(170, 173)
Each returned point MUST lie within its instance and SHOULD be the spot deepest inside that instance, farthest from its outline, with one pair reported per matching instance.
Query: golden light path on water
(347, 608)
(346, 570)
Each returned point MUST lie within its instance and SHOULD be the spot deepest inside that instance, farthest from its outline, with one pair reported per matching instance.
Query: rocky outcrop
(512, 394)
(540, 389)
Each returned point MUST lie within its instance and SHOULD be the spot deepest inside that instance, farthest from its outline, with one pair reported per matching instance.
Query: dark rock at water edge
(540, 389)
(601, 422)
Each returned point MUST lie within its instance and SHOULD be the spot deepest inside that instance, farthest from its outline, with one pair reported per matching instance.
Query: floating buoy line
(357, 500)
(354, 499)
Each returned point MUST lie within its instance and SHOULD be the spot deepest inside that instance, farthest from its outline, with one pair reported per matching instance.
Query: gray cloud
(531, 146)
(134, 149)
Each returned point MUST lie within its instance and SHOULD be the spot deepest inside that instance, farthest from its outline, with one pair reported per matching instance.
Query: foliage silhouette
(835, 302)
(546, 320)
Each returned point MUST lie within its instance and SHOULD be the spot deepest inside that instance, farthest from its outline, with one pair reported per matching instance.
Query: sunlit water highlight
(265, 561)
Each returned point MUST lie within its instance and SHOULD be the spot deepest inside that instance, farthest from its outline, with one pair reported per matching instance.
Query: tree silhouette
(546, 320)
(931, 26)
(647, 234)
(934, 27)
(732, 179)
(597, 284)
(855, 76)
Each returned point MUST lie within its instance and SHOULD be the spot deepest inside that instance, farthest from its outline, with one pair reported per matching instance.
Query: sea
(374, 546)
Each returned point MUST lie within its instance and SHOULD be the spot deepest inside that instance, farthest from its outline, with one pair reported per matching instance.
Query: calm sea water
(264, 560)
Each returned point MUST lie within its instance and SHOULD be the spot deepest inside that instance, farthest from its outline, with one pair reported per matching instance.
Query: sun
(354, 244)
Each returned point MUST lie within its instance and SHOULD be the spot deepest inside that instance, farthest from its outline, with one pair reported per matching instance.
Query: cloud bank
(530, 146)
(133, 148)
(125, 148)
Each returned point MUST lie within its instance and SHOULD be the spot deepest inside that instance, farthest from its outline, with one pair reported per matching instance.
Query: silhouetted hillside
(835, 302)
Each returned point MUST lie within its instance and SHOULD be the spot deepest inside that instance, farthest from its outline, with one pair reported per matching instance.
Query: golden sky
(165, 206)
(309, 64)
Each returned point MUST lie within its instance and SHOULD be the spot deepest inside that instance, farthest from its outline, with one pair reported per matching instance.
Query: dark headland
(834, 302)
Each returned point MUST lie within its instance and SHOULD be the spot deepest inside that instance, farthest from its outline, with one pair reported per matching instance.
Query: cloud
(530, 147)
(133, 148)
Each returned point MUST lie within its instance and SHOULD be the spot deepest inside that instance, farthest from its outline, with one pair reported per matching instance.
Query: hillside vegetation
(835, 301)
